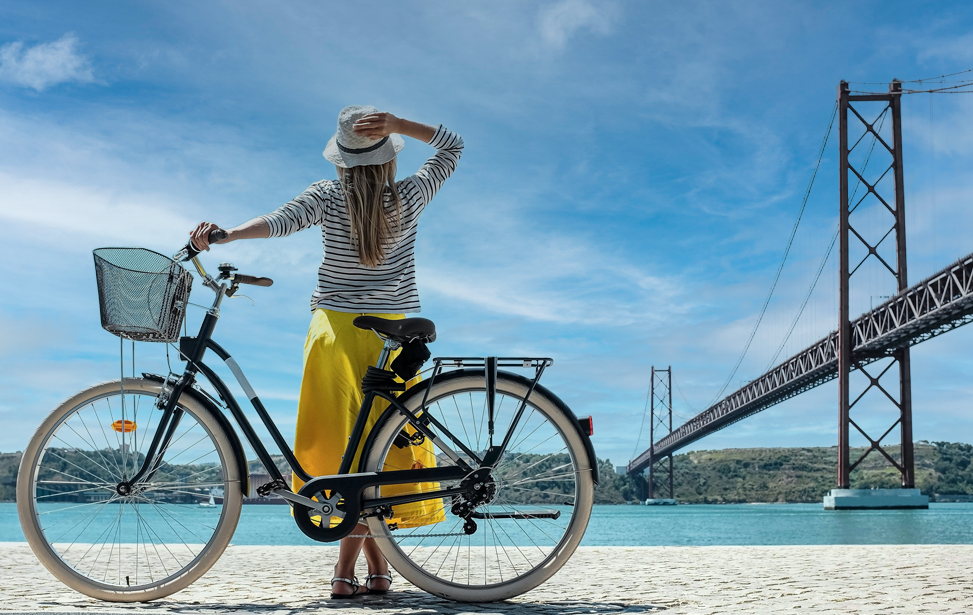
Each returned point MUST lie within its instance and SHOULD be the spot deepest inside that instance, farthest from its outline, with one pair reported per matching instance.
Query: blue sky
(631, 175)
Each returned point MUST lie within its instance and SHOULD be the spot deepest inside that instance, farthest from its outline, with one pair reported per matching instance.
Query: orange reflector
(123, 426)
(587, 425)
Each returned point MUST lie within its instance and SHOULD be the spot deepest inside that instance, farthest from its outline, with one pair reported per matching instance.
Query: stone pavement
(599, 580)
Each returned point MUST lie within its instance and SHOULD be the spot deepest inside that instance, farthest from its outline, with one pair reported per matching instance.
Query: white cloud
(562, 20)
(529, 271)
(41, 66)
(957, 49)
(91, 213)
(570, 287)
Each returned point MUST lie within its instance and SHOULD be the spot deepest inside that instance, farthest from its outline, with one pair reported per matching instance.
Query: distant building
(622, 470)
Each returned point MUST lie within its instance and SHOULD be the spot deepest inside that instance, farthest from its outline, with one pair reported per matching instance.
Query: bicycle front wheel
(542, 492)
(137, 546)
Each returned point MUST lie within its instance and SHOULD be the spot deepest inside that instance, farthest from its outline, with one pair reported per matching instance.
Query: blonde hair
(373, 228)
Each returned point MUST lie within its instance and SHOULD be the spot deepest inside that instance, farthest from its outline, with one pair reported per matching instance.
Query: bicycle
(117, 489)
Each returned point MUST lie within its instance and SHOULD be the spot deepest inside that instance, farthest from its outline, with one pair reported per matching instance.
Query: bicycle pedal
(268, 488)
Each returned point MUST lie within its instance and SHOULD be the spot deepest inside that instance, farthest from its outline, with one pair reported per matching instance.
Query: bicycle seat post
(390, 346)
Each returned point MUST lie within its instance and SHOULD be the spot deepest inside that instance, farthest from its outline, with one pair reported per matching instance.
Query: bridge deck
(940, 303)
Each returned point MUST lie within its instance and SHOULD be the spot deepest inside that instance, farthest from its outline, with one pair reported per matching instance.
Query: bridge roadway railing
(940, 303)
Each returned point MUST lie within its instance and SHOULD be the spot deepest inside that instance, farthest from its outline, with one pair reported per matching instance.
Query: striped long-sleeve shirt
(344, 284)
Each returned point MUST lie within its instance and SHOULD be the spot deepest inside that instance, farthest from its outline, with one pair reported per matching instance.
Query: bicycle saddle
(401, 331)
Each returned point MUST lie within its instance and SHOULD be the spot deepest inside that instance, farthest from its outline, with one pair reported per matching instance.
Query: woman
(368, 223)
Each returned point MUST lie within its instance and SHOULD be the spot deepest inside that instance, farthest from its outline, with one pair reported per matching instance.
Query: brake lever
(241, 297)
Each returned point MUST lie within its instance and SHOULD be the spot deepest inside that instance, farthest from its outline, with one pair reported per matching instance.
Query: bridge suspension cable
(962, 72)
(948, 87)
(644, 411)
(780, 268)
(953, 89)
(824, 261)
(683, 396)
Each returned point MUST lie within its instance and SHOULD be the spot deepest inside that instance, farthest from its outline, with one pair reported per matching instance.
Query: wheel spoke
(66, 460)
(63, 493)
(90, 521)
(538, 471)
(508, 477)
(541, 479)
(104, 434)
(103, 467)
(143, 541)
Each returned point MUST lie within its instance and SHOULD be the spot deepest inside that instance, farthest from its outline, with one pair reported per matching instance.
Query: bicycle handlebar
(190, 250)
(252, 280)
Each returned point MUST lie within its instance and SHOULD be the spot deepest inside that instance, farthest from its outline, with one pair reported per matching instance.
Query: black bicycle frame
(192, 350)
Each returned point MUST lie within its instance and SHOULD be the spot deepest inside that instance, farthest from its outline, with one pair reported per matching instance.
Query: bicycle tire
(65, 448)
(500, 536)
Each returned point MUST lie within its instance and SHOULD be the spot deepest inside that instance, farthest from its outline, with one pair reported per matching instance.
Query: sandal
(387, 577)
(355, 585)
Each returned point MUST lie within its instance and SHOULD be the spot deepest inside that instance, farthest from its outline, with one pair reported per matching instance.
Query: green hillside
(744, 475)
(9, 462)
(807, 474)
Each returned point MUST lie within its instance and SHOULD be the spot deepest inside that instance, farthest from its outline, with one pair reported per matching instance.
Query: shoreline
(674, 580)
(933, 499)
(684, 525)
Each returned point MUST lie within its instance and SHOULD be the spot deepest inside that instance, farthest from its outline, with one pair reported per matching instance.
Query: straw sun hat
(349, 149)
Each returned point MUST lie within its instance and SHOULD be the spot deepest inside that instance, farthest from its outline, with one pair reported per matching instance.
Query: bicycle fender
(585, 438)
(205, 402)
(419, 389)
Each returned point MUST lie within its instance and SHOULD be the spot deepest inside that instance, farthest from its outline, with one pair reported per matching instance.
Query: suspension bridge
(938, 304)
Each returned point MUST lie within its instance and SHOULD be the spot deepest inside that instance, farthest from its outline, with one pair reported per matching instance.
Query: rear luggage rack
(501, 361)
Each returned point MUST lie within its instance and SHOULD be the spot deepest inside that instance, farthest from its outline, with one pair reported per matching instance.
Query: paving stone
(598, 580)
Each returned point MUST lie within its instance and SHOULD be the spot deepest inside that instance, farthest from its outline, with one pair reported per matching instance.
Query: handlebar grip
(253, 280)
(214, 236)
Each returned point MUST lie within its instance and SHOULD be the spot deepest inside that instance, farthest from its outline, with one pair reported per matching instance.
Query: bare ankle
(346, 571)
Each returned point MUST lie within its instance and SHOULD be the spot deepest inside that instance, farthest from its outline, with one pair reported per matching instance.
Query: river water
(684, 525)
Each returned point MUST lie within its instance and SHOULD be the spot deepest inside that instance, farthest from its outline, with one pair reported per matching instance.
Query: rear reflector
(587, 425)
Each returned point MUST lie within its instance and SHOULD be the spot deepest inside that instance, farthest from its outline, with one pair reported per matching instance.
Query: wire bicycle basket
(142, 294)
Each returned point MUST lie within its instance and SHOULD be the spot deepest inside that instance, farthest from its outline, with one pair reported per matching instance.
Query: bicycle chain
(411, 536)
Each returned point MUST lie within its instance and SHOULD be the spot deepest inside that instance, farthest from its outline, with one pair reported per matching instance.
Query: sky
(632, 174)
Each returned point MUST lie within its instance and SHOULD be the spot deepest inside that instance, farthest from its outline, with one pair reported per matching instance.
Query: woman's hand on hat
(377, 125)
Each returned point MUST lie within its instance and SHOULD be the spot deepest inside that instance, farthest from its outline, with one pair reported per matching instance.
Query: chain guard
(346, 506)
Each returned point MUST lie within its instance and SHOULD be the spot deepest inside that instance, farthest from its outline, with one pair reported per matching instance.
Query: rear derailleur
(479, 489)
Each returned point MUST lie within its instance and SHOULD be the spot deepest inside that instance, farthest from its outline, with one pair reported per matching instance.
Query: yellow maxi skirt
(336, 356)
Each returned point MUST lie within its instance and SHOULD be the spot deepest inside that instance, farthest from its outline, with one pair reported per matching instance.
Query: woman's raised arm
(252, 229)
(379, 125)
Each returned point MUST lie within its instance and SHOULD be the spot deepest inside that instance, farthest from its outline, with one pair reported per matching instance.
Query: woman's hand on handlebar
(200, 236)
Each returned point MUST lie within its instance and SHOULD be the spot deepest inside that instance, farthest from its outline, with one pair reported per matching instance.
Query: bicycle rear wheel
(145, 544)
(545, 477)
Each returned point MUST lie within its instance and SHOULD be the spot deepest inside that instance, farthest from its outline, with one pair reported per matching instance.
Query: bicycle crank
(332, 516)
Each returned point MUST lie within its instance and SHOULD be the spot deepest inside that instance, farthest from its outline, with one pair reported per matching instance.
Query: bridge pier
(661, 396)
(660, 416)
(848, 337)
(865, 499)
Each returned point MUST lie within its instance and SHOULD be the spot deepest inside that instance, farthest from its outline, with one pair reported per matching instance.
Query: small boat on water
(659, 502)
(212, 498)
